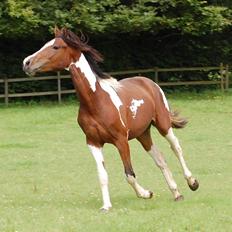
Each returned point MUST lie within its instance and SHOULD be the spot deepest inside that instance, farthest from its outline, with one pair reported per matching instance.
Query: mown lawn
(48, 179)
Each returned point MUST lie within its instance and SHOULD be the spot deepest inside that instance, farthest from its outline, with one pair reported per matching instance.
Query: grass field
(49, 183)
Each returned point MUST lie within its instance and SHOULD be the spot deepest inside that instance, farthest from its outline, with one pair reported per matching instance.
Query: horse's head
(58, 53)
(54, 55)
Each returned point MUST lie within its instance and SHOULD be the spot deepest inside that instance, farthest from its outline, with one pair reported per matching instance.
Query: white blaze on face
(50, 43)
(164, 98)
(134, 106)
(85, 68)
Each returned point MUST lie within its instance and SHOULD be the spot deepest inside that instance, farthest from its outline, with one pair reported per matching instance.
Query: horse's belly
(137, 130)
(138, 125)
(140, 114)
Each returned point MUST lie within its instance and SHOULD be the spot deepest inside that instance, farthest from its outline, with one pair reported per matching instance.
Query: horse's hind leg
(172, 139)
(157, 156)
(123, 148)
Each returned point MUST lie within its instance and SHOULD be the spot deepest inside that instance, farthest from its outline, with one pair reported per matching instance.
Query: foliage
(130, 34)
(194, 17)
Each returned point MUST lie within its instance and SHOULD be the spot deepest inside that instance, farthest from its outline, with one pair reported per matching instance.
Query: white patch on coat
(112, 82)
(85, 68)
(134, 106)
(50, 43)
(109, 86)
(164, 98)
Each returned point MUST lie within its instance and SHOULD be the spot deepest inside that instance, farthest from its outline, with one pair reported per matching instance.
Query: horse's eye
(56, 47)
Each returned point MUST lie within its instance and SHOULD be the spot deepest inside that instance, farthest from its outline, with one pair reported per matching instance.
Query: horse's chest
(95, 128)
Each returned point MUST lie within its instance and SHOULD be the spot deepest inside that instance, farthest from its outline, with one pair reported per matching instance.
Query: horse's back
(140, 87)
(137, 81)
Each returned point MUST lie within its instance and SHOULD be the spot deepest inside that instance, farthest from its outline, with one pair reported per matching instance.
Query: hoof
(179, 198)
(148, 195)
(105, 209)
(194, 186)
(151, 194)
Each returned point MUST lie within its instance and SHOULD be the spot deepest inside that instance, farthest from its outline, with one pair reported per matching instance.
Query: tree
(21, 18)
(167, 32)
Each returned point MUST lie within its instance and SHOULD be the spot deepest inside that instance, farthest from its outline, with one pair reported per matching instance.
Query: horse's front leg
(102, 174)
(123, 148)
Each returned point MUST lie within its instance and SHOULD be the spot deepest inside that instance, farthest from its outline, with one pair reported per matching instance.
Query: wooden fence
(223, 81)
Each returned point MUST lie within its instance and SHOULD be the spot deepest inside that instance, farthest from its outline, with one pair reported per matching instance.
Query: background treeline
(130, 34)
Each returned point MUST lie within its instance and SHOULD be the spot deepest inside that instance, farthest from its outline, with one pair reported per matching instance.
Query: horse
(113, 111)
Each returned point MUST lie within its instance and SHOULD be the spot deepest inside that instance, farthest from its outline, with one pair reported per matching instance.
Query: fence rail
(223, 82)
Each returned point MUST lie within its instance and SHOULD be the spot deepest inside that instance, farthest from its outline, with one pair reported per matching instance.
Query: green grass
(48, 179)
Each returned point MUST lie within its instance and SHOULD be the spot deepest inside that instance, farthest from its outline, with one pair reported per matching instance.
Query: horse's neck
(84, 81)
(89, 89)
(85, 68)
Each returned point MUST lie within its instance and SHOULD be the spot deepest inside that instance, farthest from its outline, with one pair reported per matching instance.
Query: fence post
(59, 86)
(227, 77)
(222, 76)
(6, 91)
(156, 75)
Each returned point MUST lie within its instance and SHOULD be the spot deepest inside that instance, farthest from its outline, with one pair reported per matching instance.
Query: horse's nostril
(28, 62)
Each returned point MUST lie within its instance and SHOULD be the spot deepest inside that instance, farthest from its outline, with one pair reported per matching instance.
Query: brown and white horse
(113, 111)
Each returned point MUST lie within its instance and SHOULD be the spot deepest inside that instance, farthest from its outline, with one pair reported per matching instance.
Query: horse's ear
(57, 31)
(64, 30)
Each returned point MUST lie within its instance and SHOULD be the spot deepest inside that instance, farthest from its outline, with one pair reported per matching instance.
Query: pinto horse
(113, 111)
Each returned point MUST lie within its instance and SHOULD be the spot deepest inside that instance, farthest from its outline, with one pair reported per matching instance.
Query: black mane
(91, 54)
(94, 66)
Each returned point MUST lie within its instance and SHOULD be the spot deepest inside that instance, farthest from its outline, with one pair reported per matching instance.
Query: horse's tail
(177, 121)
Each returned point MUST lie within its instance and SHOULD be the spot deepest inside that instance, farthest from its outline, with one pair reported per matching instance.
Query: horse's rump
(155, 109)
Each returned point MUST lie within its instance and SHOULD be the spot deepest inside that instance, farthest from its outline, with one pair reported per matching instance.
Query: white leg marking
(50, 43)
(172, 139)
(161, 163)
(140, 191)
(134, 106)
(103, 176)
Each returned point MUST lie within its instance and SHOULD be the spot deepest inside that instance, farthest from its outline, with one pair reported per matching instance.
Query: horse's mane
(92, 55)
